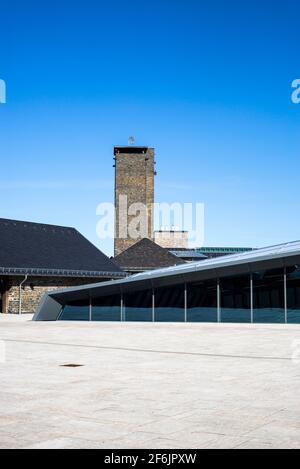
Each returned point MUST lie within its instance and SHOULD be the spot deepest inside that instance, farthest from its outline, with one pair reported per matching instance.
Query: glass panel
(235, 299)
(169, 304)
(76, 311)
(106, 308)
(202, 301)
(138, 306)
(268, 296)
(293, 294)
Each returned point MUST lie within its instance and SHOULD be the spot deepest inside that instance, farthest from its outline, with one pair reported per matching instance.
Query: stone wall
(34, 289)
(172, 239)
(134, 179)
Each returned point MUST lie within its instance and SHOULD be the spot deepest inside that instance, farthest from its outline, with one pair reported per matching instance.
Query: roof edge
(35, 272)
(252, 257)
(10, 220)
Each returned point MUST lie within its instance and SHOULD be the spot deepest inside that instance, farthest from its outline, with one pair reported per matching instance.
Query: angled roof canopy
(38, 249)
(273, 257)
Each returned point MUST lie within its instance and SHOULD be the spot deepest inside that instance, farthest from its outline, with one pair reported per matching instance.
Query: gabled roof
(146, 255)
(38, 249)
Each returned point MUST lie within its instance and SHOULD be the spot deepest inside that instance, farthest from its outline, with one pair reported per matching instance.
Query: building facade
(37, 258)
(261, 286)
(172, 239)
(22, 294)
(134, 187)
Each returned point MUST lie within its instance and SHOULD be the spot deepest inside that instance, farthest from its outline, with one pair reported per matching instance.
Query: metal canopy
(271, 257)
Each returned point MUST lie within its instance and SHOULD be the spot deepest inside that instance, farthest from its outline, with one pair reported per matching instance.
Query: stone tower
(134, 184)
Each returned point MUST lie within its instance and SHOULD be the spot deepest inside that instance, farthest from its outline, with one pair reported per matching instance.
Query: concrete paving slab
(148, 385)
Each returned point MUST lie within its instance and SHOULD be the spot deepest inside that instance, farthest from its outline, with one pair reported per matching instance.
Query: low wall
(34, 289)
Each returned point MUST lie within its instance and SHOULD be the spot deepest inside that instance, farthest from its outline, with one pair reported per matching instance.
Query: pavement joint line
(162, 352)
(241, 444)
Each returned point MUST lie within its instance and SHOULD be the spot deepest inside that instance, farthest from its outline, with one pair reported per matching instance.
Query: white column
(285, 297)
(153, 306)
(122, 306)
(251, 298)
(185, 302)
(219, 301)
(90, 310)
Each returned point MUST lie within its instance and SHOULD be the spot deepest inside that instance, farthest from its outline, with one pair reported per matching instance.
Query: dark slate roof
(146, 255)
(39, 249)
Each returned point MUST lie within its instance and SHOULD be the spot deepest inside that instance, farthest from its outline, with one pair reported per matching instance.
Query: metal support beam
(185, 302)
(122, 307)
(251, 298)
(219, 300)
(285, 298)
(153, 306)
(90, 310)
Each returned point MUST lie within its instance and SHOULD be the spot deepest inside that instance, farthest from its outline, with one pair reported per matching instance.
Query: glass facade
(138, 306)
(202, 304)
(235, 299)
(268, 296)
(293, 294)
(170, 304)
(76, 311)
(106, 308)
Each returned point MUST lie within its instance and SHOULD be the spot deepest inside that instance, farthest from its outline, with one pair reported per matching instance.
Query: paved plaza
(148, 385)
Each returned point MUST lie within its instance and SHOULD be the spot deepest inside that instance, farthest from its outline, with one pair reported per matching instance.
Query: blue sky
(208, 84)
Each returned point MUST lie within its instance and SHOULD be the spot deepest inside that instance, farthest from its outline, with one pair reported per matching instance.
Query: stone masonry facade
(33, 290)
(134, 178)
(172, 239)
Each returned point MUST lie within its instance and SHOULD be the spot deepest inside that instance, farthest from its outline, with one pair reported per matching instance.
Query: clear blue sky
(208, 84)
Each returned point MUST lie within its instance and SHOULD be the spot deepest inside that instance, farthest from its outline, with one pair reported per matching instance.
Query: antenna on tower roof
(131, 141)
